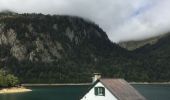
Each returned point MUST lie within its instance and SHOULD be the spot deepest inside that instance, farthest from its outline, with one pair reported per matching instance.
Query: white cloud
(153, 21)
(121, 19)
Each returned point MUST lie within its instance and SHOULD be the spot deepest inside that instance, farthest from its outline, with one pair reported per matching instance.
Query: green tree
(12, 80)
(7, 80)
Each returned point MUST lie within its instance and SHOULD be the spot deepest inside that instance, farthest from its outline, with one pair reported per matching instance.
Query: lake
(154, 92)
(151, 92)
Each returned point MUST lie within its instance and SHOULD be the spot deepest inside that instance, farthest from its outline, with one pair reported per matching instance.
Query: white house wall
(91, 96)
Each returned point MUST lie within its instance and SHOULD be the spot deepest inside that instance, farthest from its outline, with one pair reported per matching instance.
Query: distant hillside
(160, 48)
(48, 49)
(132, 45)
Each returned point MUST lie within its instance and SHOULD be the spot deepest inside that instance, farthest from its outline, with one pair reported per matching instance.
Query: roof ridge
(112, 78)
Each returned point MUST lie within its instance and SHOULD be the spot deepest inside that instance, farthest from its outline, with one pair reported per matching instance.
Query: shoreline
(57, 84)
(14, 90)
(81, 84)
(149, 83)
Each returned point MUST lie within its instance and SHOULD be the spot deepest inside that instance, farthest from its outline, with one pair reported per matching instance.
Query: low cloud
(121, 19)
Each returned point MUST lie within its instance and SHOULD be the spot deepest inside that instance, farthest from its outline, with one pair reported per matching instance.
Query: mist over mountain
(121, 20)
(41, 48)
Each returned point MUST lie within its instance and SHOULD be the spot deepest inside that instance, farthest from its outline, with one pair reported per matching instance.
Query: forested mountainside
(49, 49)
(157, 57)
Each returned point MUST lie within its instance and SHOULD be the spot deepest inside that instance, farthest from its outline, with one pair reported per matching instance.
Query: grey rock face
(69, 33)
(8, 38)
(19, 51)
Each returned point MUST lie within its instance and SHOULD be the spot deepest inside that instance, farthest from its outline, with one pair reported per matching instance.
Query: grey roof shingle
(121, 89)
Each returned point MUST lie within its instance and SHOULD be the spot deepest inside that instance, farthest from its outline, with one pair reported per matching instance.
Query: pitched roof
(121, 89)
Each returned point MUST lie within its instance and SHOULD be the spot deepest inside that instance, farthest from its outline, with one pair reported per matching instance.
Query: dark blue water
(154, 92)
(151, 92)
(48, 93)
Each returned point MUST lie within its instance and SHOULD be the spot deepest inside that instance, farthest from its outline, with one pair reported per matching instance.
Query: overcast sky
(122, 20)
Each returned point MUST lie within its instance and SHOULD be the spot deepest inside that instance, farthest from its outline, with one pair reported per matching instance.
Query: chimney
(96, 77)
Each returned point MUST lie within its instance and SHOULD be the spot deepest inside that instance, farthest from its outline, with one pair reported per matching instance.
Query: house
(112, 89)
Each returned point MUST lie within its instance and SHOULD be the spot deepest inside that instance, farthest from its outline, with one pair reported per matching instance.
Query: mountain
(154, 55)
(7, 13)
(41, 48)
(37, 47)
(132, 45)
(161, 48)
(157, 57)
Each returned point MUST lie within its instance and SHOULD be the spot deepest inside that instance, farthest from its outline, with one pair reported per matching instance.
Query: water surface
(154, 92)
(48, 93)
(151, 92)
